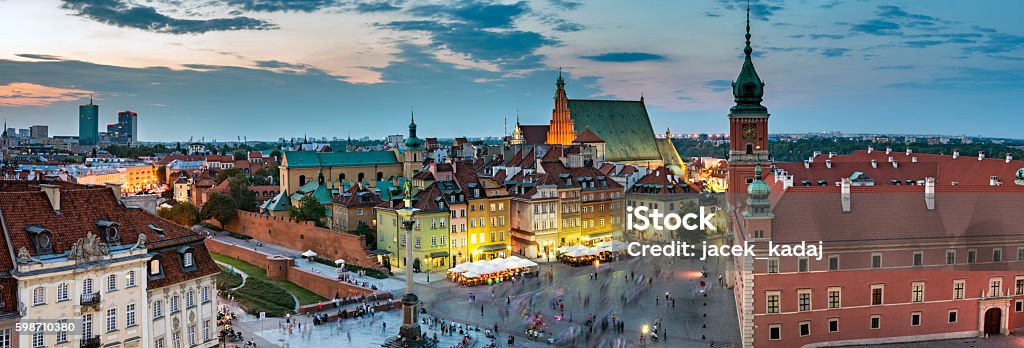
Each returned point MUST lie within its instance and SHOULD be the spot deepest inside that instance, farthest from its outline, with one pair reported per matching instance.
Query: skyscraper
(88, 124)
(128, 127)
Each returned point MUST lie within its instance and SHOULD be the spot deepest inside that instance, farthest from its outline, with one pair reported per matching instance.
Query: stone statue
(407, 191)
(88, 247)
(25, 257)
(141, 243)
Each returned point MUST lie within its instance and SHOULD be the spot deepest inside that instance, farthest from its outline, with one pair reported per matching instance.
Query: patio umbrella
(309, 253)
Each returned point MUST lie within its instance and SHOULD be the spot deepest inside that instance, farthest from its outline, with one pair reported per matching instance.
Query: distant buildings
(39, 132)
(89, 124)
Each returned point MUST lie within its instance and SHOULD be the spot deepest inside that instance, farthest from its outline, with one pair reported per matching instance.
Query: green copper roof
(278, 203)
(312, 159)
(413, 142)
(748, 89)
(757, 196)
(624, 126)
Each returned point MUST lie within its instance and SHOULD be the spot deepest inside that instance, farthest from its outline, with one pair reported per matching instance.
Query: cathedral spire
(748, 89)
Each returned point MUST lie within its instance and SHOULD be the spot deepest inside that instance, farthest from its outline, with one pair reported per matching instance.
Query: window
(62, 292)
(833, 325)
(997, 255)
(774, 332)
(111, 283)
(950, 257)
(192, 335)
(204, 294)
(773, 301)
(951, 317)
(1018, 306)
(62, 336)
(86, 325)
(187, 261)
(876, 321)
(37, 340)
(958, 289)
(773, 265)
(876, 294)
(833, 262)
(130, 279)
(917, 292)
(1020, 254)
(5, 338)
(129, 315)
(159, 343)
(876, 260)
(805, 328)
(1019, 286)
(190, 299)
(918, 258)
(206, 331)
(972, 256)
(174, 304)
(176, 339)
(995, 286)
(804, 300)
(154, 267)
(915, 319)
(834, 295)
(158, 309)
(38, 296)
(112, 319)
(802, 264)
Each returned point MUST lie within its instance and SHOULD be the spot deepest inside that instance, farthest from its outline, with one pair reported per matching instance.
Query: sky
(264, 69)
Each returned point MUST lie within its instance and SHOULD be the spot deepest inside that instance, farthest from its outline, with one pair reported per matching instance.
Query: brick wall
(331, 245)
(322, 285)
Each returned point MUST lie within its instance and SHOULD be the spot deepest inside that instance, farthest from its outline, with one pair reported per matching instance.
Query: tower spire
(748, 50)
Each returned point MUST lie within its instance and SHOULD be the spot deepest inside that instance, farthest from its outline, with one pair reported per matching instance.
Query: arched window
(380, 176)
(302, 180)
(750, 148)
(360, 178)
(341, 177)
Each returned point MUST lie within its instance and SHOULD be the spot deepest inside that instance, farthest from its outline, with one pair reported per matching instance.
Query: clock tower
(748, 127)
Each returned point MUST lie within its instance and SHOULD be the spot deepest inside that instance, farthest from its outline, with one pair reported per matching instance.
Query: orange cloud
(30, 94)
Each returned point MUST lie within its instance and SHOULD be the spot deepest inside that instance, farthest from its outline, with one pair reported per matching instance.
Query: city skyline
(230, 70)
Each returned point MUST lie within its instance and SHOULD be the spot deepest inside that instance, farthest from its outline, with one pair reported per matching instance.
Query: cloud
(834, 52)
(877, 27)
(758, 9)
(895, 67)
(284, 5)
(122, 14)
(480, 14)
(718, 85)
(819, 36)
(997, 43)
(40, 56)
(624, 57)
(966, 78)
(923, 43)
(383, 6)
(30, 94)
(566, 4)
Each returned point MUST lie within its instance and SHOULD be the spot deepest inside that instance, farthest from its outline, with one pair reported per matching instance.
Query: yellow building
(490, 225)
(430, 232)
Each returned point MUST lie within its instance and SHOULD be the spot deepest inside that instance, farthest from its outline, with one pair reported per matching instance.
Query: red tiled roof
(964, 170)
(173, 273)
(424, 175)
(171, 158)
(586, 136)
(889, 213)
(666, 181)
(359, 195)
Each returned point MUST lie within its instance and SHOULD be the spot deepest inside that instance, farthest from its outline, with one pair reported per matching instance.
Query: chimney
(53, 194)
(993, 181)
(890, 159)
(909, 151)
(888, 150)
(1009, 158)
(807, 164)
(845, 194)
(871, 148)
(956, 153)
(929, 193)
(816, 153)
(981, 155)
(116, 188)
(787, 182)
(874, 163)
(831, 154)
(828, 163)
(913, 159)
(895, 164)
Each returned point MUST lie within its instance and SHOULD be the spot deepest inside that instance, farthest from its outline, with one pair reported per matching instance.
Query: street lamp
(645, 329)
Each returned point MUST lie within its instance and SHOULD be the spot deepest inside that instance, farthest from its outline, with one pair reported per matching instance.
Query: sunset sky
(275, 68)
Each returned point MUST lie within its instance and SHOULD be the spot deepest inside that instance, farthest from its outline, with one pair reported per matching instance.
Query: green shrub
(226, 279)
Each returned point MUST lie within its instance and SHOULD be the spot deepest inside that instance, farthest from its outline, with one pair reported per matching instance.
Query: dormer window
(41, 238)
(111, 231)
(187, 258)
(155, 268)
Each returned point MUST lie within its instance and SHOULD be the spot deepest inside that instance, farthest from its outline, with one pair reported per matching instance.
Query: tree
(276, 154)
(225, 174)
(308, 209)
(220, 207)
(238, 189)
(272, 172)
(240, 155)
(693, 237)
(183, 213)
(167, 194)
(161, 174)
(363, 229)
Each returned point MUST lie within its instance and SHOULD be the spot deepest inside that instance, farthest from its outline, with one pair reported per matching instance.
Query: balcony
(92, 299)
(91, 342)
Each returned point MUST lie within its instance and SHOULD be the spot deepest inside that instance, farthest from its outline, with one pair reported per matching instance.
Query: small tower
(412, 161)
(562, 130)
(748, 126)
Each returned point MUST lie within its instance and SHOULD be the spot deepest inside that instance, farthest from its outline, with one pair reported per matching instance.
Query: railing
(90, 299)
(91, 342)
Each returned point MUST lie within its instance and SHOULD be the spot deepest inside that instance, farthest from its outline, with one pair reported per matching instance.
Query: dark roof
(535, 134)
(173, 272)
(586, 136)
(624, 125)
(358, 195)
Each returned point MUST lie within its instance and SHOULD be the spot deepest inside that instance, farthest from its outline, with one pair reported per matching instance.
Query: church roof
(586, 136)
(534, 134)
(311, 159)
(623, 124)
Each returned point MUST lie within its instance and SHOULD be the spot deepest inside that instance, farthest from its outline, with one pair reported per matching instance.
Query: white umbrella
(470, 275)
(338, 261)
(309, 253)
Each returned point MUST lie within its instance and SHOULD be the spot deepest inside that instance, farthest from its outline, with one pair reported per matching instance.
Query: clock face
(749, 131)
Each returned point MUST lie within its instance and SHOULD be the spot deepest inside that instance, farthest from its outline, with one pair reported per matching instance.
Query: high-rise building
(128, 126)
(39, 131)
(88, 124)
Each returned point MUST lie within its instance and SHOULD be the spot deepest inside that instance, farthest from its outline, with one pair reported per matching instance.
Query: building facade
(89, 124)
